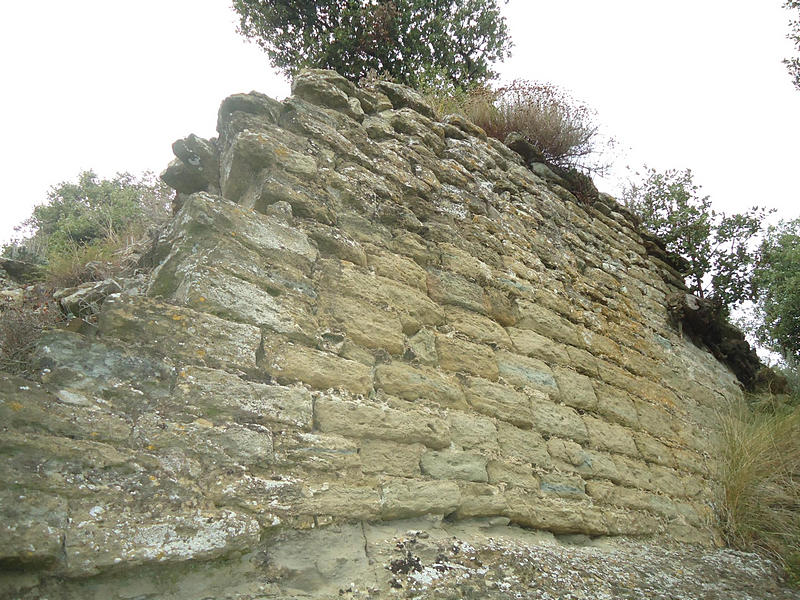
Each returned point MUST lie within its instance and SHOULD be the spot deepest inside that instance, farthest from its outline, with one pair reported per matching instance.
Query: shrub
(561, 128)
(21, 326)
(761, 478)
(92, 228)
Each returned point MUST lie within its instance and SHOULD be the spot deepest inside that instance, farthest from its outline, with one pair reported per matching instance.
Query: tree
(793, 64)
(402, 38)
(715, 246)
(776, 281)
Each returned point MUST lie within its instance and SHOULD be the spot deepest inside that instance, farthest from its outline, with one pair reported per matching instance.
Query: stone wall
(359, 315)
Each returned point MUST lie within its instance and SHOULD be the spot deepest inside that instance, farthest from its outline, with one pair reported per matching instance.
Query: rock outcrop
(363, 321)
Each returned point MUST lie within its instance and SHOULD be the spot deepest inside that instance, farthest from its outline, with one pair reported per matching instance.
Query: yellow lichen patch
(201, 299)
(178, 317)
(203, 423)
(15, 406)
(151, 447)
(201, 352)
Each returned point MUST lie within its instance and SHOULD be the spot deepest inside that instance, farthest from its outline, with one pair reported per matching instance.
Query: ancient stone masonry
(358, 315)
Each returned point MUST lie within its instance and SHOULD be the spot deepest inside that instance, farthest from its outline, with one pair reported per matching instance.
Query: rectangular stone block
(530, 343)
(180, 333)
(323, 452)
(556, 419)
(391, 458)
(523, 446)
(477, 327)
(215, 394)
(459, 355)
(454, 464)
(469, 431)
(610, 437)
(548, 324)
(524, 372)
(399, 269)
(655, 420)
(364, 323)
(562, 485)
(652, 450)
(499, 401)
(341, 501)
(368, 420)
(616, 406)
(480, 500)
(576, 389)
(512, 475)
(415, 383)
(290, 363)
(445, 287)
(403, 499)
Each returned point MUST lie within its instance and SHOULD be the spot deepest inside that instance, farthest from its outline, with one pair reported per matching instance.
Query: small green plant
(760, 473)
(89, 229)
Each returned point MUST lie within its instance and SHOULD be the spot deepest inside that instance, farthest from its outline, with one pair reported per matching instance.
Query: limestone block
(480, 500)
(523, 446)
(414, 383)
(610, 437)
(512, 475)
(530, 343)
(693, 462)
(523, 372)
(402, 96)
(616, 406)
(554, 514)
(32, 524)
(364, 323)
(422, 348)
(399, 269)
(328, 89)
(403, 499)
(477, 327)
(290, 363)
(93, 541)
(367, 420)
(655, 420)
(583, 361)
(666, 480)
(562, 485)
(460, 355)
(556, 419)
(391, 458)
(570, 456)
(654, 451)
(472, 432)
(548, 324)
(345, 502)
(445, 287)
(332, 242)
(500, 307)
(215, 394)
(414, 309)
(180, 333)
(454, 464)
(500, 401)
(576, 389)
(324, 452)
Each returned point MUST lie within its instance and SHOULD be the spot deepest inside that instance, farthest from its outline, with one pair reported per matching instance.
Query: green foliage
(715, 246)
(402, 38)
(777, 284)
(793, 64)
(92, 209)
(87, 229)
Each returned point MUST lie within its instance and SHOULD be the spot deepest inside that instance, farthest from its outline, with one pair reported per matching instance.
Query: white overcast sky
(109, 85)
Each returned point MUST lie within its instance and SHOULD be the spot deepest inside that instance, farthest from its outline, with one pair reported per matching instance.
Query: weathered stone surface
(454, 464)
(415, 383)
(362, 420)
(366, 334)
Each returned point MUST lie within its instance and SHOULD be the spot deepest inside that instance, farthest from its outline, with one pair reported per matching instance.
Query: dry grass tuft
(22, 326)
(761, 478)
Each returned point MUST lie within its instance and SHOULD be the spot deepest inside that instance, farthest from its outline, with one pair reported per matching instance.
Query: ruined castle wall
(368, 315)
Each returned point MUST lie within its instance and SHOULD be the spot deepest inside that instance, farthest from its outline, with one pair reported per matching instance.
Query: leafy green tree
(793, 64)
(401, 38)
(91, 209)
(776, 281)
(715, 246)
